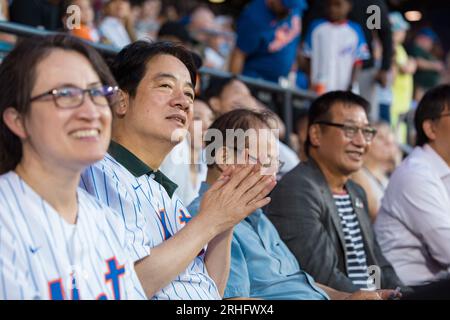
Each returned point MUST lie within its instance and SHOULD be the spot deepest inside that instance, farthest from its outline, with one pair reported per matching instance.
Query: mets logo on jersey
(112, 277)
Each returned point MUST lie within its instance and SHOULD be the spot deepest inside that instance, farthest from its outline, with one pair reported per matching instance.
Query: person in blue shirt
(268, 33)
(261, 264)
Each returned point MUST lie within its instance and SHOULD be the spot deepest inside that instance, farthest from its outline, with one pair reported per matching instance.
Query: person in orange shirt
(86, 29)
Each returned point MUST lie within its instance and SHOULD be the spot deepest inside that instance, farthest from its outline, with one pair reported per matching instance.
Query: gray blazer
(304, 213)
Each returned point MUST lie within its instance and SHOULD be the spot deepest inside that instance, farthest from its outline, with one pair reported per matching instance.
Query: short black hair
(430, 107)
(321, 107)
(130, 64)
(18, 77)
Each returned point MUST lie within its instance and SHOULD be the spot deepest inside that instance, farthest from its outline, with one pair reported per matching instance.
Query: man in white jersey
(57, 241)
(157, 91)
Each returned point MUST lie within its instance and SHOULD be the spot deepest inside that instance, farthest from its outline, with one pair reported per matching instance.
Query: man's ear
(429, 128)
(121, 107)
(15, 122)
(315, 135)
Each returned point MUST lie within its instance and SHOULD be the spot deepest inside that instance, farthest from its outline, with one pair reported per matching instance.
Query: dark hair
(175, 29)
(320, 109)
(216, 86)
(17, 80)
(243, 119)
(430, 107)
(130, 64)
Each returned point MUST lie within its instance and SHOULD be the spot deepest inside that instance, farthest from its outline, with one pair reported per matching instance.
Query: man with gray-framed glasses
(320, 213)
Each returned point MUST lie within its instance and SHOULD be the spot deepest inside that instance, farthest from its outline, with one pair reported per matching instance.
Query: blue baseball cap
(398, 23)
(293, 4)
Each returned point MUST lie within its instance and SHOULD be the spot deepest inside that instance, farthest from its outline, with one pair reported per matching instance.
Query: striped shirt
(150, 216)
(354, 245)
(42, 256)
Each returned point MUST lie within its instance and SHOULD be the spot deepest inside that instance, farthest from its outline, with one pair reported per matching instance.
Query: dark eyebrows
(172, 77)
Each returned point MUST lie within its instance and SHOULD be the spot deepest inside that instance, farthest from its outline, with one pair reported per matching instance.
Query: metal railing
(281, 100)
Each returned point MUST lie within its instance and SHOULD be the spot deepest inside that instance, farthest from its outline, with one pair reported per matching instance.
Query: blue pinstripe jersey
(150, 216)
(44, 257)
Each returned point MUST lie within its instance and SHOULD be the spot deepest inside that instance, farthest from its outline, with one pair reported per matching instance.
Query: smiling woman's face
(73, 137)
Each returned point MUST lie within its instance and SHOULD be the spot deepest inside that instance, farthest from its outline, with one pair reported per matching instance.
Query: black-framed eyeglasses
(351, 130)
(71, 97)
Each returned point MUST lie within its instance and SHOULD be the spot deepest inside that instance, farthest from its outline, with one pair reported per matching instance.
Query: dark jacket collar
(358, 202)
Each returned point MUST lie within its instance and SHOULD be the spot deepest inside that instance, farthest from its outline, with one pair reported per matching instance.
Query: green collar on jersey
(139, 168)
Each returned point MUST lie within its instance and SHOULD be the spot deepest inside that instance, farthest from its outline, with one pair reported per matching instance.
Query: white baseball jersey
(42, 256)
(334, 49)
(150, 215)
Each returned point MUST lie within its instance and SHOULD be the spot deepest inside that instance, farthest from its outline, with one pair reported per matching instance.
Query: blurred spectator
(146, 18)
(378, 163)
(211, 39)
(37, 13)
(404, 68)
(227, 94)
(268, 33)
(319, 212)
(6, 40)
(201, 21)
(384, 93)
(413, 225)
(114, 25)
(335, 63)
(428, 66)
(213, 57)
(4, 11)
(175, 32)
(185, 164)
(370, 74)
(87, 29)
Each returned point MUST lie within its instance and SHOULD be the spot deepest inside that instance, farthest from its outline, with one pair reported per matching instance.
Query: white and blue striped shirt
(42, 256)
(150, 214)
(356, 256)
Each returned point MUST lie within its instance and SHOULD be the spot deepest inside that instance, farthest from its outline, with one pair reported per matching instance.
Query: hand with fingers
(240, 191)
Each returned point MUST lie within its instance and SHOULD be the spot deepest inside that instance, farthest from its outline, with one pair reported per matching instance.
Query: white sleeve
(425, 207)
(105, 185)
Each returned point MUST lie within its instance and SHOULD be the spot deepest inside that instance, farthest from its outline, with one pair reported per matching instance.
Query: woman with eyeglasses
(56, 241)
